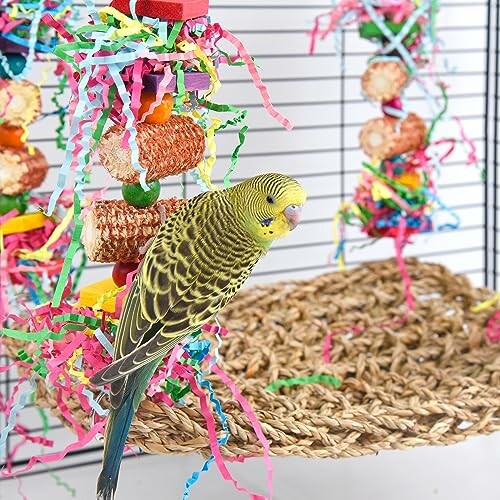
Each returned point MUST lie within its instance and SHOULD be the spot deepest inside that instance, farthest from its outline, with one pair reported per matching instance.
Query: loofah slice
(114, 230)
(386, 137)
(164, 149)
(20, 102)
(384, 80)
(21, 171)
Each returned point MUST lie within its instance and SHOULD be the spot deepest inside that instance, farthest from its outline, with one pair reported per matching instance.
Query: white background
(309, 91)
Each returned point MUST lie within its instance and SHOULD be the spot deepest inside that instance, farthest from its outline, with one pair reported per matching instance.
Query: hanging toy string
(396, 196)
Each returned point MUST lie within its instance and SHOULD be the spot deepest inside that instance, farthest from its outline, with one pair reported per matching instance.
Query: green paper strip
(181, 86)
(176, 29)
(79, 270)
(61, 482)
(61, 86)
(241, 115)
(70, 254)
(37, 337)
(174, 389)
(312, 379)
(63, 51)
(438, 117)
(100, 28)
(232, 63)
(41, 368)
(235, 156)
(77, 318)
(44, 419)
(75, 238)
(38, 286)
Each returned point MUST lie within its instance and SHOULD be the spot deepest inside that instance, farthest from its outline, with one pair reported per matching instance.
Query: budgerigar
(200, 258)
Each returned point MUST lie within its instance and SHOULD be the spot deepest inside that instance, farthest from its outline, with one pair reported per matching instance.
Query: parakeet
(199, 259)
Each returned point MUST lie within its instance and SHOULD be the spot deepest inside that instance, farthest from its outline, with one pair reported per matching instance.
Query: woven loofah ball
(21, 171)
(384, 80)
(387, 137)
(164, 149)
(20, 102)
(114, 231)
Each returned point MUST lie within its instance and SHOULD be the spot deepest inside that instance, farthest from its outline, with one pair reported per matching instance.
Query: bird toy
(33, 245)
(151, 69)
(396, 195)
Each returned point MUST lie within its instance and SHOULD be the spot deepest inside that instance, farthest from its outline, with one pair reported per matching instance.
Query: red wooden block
(172, 10)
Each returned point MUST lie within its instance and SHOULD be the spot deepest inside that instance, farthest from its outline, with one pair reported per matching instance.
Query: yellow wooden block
(92, 294)
(23, 223)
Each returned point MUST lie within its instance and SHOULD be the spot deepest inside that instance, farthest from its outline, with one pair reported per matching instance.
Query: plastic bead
(17, 62)
(121, 270)
(411, 180)
(134, 195)
(161, 113)
(8, 203)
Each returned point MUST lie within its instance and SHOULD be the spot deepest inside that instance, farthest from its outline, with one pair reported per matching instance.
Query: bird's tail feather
(116, 436)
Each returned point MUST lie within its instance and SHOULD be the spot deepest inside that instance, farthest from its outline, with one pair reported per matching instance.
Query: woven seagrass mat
(434, 380)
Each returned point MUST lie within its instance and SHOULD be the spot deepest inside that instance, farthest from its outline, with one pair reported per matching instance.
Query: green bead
(17, 62)
(134, 195)
(8, 203)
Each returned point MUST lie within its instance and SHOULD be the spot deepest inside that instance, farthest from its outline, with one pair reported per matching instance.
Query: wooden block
(9, 47)
(90, 294)
(23, 223)
(173, 10)
(193, 80)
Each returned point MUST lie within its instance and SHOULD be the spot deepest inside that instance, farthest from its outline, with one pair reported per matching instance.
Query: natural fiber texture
(114, 231)
(387, 137)
(384, 80)
(164, 149)
(20, 102)
(21, 171)
(434, 380)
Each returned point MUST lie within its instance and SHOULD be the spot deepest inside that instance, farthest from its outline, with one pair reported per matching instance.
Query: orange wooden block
(11, 137)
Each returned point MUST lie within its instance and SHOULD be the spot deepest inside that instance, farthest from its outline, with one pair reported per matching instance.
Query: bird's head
(270, 205)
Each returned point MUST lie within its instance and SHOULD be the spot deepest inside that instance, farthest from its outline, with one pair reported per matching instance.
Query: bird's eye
(270, 199)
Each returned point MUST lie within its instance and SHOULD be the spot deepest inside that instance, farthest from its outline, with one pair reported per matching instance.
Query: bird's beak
(292, 213)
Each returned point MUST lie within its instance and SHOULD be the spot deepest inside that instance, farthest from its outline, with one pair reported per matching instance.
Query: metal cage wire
(321, 97)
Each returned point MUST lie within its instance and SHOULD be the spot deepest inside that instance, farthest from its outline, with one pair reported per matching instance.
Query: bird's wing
(187, 276)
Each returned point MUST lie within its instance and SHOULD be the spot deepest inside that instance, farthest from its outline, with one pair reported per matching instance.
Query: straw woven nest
(434, 380)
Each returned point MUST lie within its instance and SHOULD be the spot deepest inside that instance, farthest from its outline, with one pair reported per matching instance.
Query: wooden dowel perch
(21, 171)
(387, 137)
(113, 231)
(20, 102)
(164, 149)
